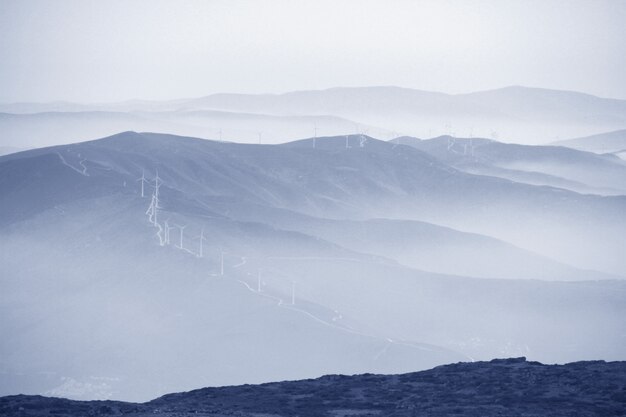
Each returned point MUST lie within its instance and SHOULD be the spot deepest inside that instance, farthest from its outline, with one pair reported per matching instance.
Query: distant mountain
(378, 180)
(554, 166)
(500, 387)
(512, 114)
(286, 266)
(602, 143)
(374, 180)
(34, 130)
(5, 150)
(518, 114)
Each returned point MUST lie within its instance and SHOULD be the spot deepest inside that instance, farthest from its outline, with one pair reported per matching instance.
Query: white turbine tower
(151, 212)
(202, 238)
(157, 186)
(362, 140)
(161, 234)
(154, 203)
(143, 181)
(167, 229)
(181, 228)
(450, 143)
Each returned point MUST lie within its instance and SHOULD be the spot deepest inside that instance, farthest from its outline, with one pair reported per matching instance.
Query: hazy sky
(86, 50)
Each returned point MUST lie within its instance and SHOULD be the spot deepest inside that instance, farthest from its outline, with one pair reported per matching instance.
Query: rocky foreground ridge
(502, 387)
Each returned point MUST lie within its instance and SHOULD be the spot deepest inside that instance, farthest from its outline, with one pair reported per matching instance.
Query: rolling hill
(268, 262)
(607, 142)
(513, 114)
(34, 130)
(555, 166)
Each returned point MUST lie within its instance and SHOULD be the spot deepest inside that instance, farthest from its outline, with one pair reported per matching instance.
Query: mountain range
(31, 130)
(512, 114)
(609, 142)
(555, 166)
(256, 263)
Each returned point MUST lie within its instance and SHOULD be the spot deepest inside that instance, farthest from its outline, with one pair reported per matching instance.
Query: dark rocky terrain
(502, 387)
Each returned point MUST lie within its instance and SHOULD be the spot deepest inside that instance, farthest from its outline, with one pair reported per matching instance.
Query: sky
(99, 51)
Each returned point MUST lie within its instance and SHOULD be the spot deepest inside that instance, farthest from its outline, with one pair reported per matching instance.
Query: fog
(296, 260)
(87, 51)
(210, 193)
(555, 166)
(514, 114)
(35, 130)
(614, 141)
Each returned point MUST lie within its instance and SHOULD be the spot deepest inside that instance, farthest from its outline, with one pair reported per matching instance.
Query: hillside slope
(257, 256)
(614, 141)
(513, 114)
(555, 166)
(504, 387)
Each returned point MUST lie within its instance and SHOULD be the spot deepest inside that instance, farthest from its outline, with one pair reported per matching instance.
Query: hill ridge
(500, 387)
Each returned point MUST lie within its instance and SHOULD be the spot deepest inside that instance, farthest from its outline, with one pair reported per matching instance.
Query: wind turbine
(161, 234)
(152, 210)
(167, 231)
(155, 196)
(143, 181)
(202, 238)
(362, 140)
(450, 142)
(181, 228)
(157, 185)
(347, 144)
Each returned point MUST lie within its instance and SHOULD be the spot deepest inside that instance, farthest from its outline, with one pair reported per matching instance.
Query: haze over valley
(304, 248)
(513, 114)
(205, 196)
